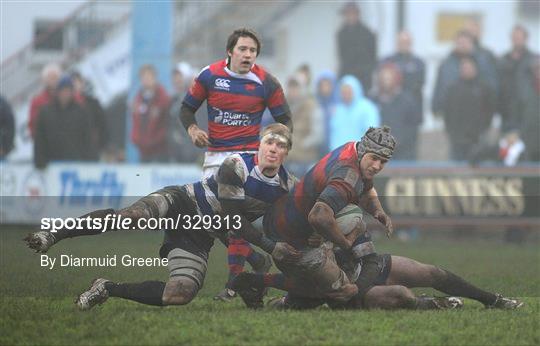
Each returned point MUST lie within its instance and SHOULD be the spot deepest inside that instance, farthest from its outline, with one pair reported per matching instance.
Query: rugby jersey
(236, 103)
(335, 180)
(239, 178)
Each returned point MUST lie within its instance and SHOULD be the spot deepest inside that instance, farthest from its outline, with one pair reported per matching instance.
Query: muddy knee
(180, 291)
(186, 277)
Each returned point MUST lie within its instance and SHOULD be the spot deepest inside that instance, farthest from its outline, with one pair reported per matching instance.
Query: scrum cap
(377, 140)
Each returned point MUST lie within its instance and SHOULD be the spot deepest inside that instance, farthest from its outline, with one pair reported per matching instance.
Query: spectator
(412, 68)
(326, 97)
(468, 110)
(62, 129)
(98, 124)
(449, 70)
(530, 126)
(303, 75)
(180, 147)
(115, 115)
(354, 114)
(49, 76)
(307, 135)
(150, 116)
(487, 63)
(357, 46)
(7, 128)
(515, 70)
(399, 110)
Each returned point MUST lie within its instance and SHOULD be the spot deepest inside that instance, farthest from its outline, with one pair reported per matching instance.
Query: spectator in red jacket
(150, 116)
(50, 75)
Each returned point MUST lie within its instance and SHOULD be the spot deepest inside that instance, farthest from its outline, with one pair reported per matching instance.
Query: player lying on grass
(245, 185)
(342, 177)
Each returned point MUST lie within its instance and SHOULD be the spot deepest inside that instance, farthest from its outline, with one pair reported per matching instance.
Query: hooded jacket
(352, 120)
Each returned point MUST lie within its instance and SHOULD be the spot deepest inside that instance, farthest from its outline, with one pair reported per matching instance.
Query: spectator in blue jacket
(355, 113)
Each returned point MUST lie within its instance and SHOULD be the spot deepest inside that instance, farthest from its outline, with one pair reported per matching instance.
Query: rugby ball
(348, 218)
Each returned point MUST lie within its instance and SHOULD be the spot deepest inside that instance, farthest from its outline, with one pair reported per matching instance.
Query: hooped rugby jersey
(236, 103)
(239, 178)
(335, 180)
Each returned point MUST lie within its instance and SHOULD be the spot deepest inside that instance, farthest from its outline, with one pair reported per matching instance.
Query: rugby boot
(40, 241)
(441, 303)
(505, 303)
(251, 295)
(96, 294)
(225, 295)
(277, 303)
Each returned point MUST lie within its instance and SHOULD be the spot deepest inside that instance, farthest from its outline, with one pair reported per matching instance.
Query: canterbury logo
(222, 83)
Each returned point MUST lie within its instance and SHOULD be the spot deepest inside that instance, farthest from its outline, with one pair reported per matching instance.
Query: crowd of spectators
(472, 86)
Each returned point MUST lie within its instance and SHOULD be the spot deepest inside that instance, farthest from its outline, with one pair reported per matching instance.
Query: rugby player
(345, 176)
(237, 92)
(245, 185)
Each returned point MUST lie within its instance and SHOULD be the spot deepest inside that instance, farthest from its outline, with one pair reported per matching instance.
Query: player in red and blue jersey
(237, 92)
(372, 280)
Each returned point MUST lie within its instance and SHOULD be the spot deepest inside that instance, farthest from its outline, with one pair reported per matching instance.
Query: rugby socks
(97, 214)
(147, 292)
(255, 259)
(455, 286)
(238, 252)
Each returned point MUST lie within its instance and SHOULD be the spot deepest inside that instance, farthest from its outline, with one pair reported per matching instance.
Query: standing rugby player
(237, 92)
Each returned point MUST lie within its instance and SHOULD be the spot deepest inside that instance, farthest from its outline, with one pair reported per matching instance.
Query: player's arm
(370, 203)
(285, 119)
(231, 179)
(321, 218)
(277, 104)
(198, 136)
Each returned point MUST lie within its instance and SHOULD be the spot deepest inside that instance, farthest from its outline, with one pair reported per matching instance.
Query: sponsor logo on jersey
(223, 84)
(231, 118)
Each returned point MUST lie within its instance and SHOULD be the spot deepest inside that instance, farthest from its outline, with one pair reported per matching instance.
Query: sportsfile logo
(223, 84)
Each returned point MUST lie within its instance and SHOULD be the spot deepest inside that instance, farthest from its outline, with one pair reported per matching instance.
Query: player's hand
(315, 240)
(385, 220)
(198, 136)
(285, 253)
(344, 293)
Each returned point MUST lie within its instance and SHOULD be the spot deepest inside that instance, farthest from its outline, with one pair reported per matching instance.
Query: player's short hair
(279, 130)
(147, 68)
(243, 32)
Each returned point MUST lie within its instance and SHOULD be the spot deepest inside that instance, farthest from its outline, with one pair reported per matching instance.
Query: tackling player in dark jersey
(245, 185)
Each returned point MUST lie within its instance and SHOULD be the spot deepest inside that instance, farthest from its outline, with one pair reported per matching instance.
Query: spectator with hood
(355, 113)
(325, 93)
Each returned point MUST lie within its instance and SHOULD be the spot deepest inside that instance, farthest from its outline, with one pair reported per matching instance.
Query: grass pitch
(37, 303)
